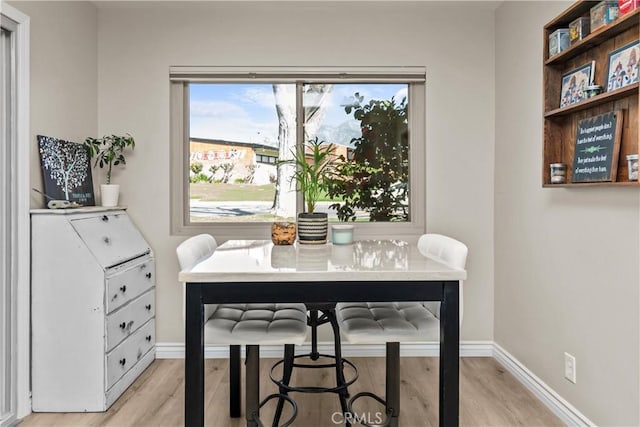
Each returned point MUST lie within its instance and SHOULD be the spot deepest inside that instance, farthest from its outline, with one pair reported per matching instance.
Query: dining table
(257, 271)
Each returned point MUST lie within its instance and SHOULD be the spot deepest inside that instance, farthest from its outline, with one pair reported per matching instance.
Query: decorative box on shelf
(603, 13)
(558, 41)
(579, 29)
(626, 6)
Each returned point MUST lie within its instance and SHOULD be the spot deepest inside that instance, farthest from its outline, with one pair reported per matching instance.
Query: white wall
(567, 272)
(138, 43)
(63, 88)
(64, 77)
(566, 261)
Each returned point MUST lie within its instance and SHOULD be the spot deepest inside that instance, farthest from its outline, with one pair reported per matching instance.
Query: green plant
(109, 151)
(199, 177)
(196, 167)
(375, 179)
(313, 176)
(226, 171)
(213, 169)
(251, 175)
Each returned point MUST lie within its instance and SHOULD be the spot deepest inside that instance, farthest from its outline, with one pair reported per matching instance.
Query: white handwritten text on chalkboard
(596, 148)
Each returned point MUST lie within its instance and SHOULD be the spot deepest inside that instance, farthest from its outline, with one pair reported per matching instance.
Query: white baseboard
(467, 349)
(552, 400)
(9, 421)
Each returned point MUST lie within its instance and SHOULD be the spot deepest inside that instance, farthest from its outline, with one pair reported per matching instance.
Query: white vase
(109, 193)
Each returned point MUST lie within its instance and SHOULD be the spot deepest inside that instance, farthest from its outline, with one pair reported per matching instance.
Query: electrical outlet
(570, 367)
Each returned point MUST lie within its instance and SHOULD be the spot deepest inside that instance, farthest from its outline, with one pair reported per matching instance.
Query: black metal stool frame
(288, 362)
(253, 403)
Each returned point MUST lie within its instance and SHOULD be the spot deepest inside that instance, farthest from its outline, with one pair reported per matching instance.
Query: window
(233, 129)
(260, 158)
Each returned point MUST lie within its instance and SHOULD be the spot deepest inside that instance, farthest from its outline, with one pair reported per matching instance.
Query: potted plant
(314, 167)
(109, 152)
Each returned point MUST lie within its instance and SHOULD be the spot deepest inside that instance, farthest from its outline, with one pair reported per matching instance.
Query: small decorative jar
(283, 233)
(342, 234)
(592, 90)
(558, 173)
(632, 162)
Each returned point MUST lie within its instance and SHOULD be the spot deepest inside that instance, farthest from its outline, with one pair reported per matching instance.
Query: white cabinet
(93, 308)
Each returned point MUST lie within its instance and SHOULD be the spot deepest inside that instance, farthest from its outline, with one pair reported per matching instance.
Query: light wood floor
(489, 396)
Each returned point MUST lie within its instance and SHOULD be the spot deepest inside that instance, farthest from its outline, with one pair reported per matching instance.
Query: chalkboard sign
(66, 171)
(597, 147)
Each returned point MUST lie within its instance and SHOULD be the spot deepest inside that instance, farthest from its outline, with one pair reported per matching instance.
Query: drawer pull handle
(123, 325)
(148, 338)
(148, 275)
(123, 362)
(107, 240)
(123, 288)
(105, 218)
(148, 307)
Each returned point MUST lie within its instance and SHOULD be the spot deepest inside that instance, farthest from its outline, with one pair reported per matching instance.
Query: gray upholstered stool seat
(395, 322)
(251, 325)
(375, 322)
(268, 324)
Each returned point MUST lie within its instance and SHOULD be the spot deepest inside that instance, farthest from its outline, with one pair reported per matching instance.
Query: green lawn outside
(210, 192)
(232, 192)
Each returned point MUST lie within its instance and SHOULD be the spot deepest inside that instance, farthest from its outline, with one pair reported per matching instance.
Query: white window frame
(20, 220)
(182, 76)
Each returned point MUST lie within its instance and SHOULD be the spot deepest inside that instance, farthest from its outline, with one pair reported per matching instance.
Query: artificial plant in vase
(315, 164)
(109, 152)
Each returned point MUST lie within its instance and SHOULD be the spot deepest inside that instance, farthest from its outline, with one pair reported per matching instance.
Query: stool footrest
(311, 389)
(294, 405)
(386, 422)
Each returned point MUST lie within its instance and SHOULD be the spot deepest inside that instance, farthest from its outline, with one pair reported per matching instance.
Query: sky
(247, 112)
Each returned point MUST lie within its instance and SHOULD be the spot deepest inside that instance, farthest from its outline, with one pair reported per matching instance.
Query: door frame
(21, 236)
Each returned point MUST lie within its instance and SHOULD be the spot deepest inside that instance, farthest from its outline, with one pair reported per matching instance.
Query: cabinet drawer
(128, 284)
(126, 355)
(129, 318)
(111, 238)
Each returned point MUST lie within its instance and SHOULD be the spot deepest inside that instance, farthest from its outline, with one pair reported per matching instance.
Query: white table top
(261, 261)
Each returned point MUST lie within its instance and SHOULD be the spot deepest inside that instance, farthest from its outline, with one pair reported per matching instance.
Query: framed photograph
(623, 66)
(66, 171)
(574, 84)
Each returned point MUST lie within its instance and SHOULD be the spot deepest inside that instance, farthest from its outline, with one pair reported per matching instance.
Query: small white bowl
(342, 234)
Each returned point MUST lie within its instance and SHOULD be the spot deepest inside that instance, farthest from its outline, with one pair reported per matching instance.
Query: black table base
(199, 293)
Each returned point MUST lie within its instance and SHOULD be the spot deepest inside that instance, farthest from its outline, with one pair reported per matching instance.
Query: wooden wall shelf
(595, 101)
(593, 184)
(560, 124)
(601, 34)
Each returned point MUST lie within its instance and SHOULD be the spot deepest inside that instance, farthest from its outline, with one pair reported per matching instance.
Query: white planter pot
(109, 194)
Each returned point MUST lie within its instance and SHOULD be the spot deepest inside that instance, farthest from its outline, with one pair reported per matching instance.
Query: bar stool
(328, 315)
(251, 325)
(391, 323)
